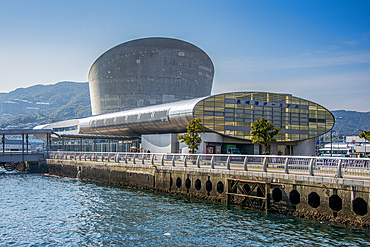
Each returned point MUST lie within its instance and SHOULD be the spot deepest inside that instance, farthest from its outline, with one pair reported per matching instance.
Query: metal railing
(305, 165)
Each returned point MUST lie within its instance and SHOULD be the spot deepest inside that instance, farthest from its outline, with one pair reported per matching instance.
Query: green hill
(60, 101)
(68, 100)
(352, 121)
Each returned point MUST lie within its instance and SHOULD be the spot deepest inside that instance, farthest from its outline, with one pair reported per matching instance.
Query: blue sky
(317, 50)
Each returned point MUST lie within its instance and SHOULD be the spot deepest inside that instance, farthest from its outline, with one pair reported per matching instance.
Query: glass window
(208, 117)
(312, 107)
(260, 108)
(209, 103)
(209, 108)
(219, 99)
(295, 136)
(303, 137)
(258, 112)
(218, 118)
(198, 107)
(296, 101)
(220, 109)
(239, 133)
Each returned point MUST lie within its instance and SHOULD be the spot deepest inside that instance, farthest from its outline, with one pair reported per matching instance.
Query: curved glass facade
(232, 114)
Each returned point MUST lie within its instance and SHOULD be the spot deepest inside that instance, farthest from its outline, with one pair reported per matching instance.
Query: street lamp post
(331, 137)
(365, 140)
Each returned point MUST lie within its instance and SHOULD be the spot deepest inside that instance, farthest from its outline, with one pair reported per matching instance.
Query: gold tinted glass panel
(233, 114)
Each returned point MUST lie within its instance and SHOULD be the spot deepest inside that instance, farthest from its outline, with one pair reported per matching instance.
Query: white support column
(228, 163)
(245, 163)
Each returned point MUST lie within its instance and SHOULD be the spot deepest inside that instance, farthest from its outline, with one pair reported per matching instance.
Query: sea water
(37, 210)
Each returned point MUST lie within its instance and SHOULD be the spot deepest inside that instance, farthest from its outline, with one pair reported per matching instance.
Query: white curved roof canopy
(164, 118)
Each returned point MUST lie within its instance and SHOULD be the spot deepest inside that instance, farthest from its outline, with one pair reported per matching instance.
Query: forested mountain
(68, 100)
(352, 121)
(45, 103)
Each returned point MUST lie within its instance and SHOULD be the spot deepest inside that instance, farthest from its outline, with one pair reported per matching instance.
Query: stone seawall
(340, 200)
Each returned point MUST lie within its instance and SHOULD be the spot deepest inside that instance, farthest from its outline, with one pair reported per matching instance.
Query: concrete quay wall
(340, 200)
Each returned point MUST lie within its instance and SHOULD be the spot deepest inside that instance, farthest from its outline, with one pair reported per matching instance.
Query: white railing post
(213, 162)
(245, 163)
(198, 161)
(143, 159)
(185, 165)
(286, 168)
(133, 159)
(339, 173)
(116, 158)
(310, 167)
(125, 158)
(264, 164)
(228, 163)
(162, 160)
(153, 159)
(173, 160)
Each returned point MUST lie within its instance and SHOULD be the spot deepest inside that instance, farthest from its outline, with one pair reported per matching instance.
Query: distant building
(20, 106)
(353, 146)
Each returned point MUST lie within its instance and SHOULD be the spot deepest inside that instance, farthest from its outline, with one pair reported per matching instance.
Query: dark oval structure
(149, 71)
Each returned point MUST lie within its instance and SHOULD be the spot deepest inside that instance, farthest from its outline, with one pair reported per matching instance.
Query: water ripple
(45, 211)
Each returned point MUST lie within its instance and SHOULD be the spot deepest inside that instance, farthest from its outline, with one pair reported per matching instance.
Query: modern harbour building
(149, 90)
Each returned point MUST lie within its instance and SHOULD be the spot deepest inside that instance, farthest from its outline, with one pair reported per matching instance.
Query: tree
(263, 133)
(192, 138)
(365, 134)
